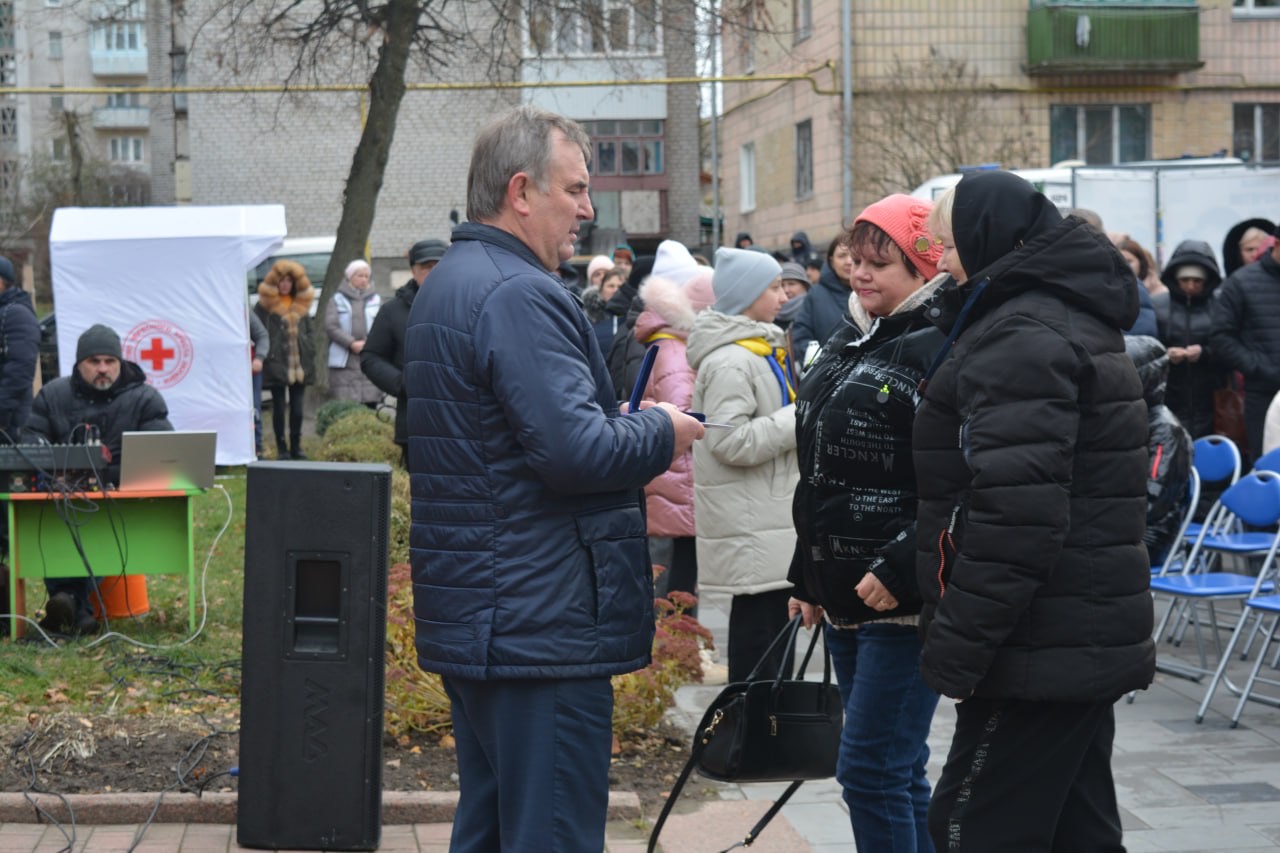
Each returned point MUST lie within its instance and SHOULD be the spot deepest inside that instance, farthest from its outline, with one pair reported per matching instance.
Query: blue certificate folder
(642, 381)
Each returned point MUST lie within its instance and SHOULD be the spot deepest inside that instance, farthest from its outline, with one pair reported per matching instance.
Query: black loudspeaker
(311, 697)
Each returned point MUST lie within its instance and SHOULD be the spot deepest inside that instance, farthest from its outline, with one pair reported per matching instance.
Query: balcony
(121, 118)
(118, 63)
(1103, 36)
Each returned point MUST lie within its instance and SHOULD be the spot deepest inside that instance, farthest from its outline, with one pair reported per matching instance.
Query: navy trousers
(533, 764)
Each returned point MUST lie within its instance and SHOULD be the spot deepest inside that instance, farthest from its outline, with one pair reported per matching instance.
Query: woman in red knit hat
(854, 512)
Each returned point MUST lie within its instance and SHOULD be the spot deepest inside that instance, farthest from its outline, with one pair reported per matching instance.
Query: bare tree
(928, 119)
(44, 184)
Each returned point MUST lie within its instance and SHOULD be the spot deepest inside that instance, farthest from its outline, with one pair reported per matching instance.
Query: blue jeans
(887, 712)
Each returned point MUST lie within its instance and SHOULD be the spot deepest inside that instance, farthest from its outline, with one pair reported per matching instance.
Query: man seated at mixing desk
(103, 398)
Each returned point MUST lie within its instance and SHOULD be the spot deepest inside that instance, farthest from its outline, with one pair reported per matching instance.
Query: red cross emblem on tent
(162, 349)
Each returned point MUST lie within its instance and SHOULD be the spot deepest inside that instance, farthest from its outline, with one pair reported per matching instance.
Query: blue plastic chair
(1175, 561)
(1268, 461)
(1217, 460)
(1254, 500)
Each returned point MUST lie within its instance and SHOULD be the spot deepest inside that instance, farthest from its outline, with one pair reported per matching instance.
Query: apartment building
(107, 43)
(296, 149)
(233, 145)
(937, 86)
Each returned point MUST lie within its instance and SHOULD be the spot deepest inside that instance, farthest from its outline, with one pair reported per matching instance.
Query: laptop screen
(167, 460)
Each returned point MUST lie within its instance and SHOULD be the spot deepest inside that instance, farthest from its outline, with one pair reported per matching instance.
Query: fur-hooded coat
(668, 311)
(291, 360)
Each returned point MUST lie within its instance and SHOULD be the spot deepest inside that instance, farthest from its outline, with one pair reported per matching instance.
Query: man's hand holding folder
(688, 426)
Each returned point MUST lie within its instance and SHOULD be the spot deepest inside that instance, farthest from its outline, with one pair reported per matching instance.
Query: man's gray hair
(518, 141)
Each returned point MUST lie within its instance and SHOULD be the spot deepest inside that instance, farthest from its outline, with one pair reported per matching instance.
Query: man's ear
(519, 188)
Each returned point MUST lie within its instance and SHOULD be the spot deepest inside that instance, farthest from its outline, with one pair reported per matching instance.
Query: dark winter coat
(1030, 445)
(1184, 321)
(383, 357)
(804, 253)
(825, 309)
(1168, 448)
(1146, 322)
(854, 508)
(19, 354)
(529, 551)
(1246, 336)
(292, 359)
(69, 410)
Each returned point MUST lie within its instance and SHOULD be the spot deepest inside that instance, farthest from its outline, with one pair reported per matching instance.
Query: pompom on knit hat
(599, 262)
(673, 261)
(904, 218)
(98, 340)
(740, 277)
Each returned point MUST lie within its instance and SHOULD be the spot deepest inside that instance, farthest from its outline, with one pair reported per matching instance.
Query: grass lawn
(114, 676)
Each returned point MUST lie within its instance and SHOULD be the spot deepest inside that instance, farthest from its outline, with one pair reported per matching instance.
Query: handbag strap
(789, 635)
(768, 816)
(679, 786)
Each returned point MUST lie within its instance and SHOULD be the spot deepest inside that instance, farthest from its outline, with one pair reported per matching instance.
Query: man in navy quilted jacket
(532, 582)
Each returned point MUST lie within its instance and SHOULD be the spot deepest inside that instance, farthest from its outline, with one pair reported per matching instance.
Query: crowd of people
(955, 442)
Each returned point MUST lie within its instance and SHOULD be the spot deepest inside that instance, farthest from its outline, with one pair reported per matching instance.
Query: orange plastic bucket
(122, 595)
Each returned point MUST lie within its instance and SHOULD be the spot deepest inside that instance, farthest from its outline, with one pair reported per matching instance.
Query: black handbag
(777, 730)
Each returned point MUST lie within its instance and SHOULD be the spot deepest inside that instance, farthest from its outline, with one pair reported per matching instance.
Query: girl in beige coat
(744, 477)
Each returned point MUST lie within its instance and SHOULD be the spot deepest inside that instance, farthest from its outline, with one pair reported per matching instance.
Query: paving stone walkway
(1181, 787)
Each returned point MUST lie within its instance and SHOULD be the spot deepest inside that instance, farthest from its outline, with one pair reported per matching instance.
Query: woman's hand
(357, 347)
(811, 613)
(874, 594)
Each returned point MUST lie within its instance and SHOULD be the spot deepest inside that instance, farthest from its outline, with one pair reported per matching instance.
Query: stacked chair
(1210, 568)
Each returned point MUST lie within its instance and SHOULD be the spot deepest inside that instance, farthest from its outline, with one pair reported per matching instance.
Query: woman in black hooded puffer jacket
(1030, 450)
(1182, 317)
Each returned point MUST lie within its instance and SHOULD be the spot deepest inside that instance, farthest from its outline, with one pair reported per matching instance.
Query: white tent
(171, 282)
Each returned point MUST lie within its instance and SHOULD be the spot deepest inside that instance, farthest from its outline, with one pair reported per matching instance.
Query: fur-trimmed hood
(303, 293)
(666, 306)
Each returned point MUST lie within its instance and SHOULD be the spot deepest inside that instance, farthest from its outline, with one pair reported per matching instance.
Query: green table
(153, 529)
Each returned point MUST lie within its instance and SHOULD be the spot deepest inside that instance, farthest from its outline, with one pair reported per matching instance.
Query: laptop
(167, 460)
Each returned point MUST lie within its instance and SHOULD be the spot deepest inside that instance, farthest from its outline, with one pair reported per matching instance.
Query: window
(8, 177)
(126, 149)
(55, 44)
(1262, 7)
(124, 99)
(6, 25)
(1256, 132)
(802, 19)
(747, 177)
(56, 104)
(804, 159)
(1100, 134)
(119, 37)
(120, 26)
(629, 147)
(594, 27)
(59, 149)
(8, 124)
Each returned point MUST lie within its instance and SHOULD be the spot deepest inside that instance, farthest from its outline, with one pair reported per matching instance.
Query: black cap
(6, 270)
(425, 251)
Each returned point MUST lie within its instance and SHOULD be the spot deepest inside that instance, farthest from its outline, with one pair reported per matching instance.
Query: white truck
(1157, 203)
